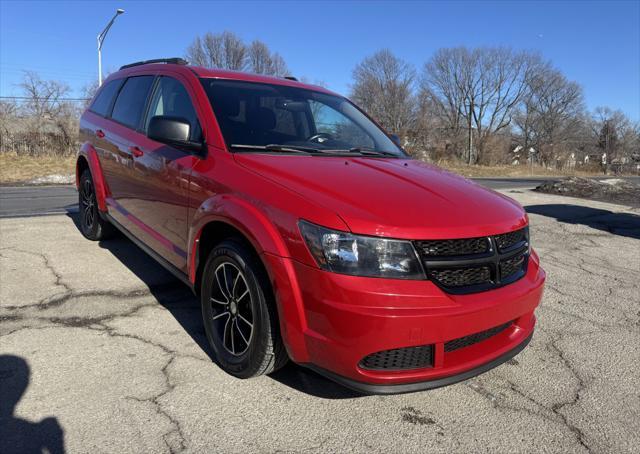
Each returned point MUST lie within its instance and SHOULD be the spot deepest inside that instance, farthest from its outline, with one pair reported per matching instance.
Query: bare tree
(383, 87)
(88, 92)
(196, 54)
(227, 51)
(218, 50)
(630, 142)
(262, 61)
(478, 88)
(430, 139)
(609, 128)
(45, 98)
(259, 58)
(46, 108)
(278, 66)
(551, 115)
(8, 115)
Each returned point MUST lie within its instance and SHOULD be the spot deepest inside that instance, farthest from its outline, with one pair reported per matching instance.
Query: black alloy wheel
(239, 311)
(92, 225)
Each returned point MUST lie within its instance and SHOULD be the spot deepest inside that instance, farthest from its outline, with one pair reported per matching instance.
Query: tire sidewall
(92, 233)
(246, 364)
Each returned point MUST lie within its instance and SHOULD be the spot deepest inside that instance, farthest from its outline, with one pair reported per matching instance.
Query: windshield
(276, 118)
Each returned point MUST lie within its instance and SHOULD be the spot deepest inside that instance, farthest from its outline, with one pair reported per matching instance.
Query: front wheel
(239, 313)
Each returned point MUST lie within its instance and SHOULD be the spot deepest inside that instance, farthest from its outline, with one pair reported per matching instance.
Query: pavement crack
(58, 279)
(174, 439)
(552, 413)
(574, 398)
(60, 299)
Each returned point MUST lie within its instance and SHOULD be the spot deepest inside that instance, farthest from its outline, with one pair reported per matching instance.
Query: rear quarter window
(103, 100)
(129, 106)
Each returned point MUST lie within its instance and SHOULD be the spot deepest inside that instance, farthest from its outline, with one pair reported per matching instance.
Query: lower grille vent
(399, 359)
(471, 339)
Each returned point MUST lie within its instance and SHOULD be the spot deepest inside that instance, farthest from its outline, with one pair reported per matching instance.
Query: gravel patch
(613, 190)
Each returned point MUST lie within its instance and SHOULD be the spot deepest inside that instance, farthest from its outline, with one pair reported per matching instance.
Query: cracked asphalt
(101, 350)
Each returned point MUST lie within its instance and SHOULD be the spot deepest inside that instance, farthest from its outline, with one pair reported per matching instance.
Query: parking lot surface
(101, 350)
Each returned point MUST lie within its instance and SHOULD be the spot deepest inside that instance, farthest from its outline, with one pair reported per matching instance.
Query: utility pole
(101, 38)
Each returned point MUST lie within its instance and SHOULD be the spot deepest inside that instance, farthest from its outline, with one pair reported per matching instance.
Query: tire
(92, 226)
(239, 313)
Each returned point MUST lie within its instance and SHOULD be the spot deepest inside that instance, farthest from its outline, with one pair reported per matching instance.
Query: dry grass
(478, 171)
(16, 169)
(22, 169)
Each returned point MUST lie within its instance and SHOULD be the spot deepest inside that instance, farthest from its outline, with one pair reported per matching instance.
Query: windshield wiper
(311, 150)
(276, 147)
(365, 151)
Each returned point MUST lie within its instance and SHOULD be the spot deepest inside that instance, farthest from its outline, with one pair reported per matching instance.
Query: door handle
(99, 133)
(135, 151)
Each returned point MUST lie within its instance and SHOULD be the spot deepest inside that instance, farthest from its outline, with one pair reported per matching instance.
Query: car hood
(394, 198)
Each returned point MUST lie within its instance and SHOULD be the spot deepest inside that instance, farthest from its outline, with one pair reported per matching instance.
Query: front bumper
(367, 388)
(331, 322)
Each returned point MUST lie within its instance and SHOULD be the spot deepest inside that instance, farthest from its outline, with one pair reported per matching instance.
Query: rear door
(95, 128)
(161, 173)
(124, 134)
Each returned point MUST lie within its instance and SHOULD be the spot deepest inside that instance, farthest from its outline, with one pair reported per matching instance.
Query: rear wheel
(92, 225)
(239, 313)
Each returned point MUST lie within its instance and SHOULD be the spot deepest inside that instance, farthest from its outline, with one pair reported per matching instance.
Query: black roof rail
(291, 78)
(172, 61)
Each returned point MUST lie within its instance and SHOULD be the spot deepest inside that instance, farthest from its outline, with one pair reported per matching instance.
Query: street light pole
(101, 38)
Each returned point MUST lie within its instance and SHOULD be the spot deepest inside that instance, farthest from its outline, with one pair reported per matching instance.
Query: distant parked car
(306, 230)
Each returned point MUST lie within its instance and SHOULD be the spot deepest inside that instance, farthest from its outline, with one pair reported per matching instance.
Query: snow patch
(54, 179)
(613, 181)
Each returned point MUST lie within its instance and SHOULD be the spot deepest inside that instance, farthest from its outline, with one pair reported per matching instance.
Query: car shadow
(184, 306)
(19, 435)
(622, 224)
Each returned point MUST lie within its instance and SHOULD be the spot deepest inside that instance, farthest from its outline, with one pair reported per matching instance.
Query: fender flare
(241, 215)
(263, 235)
(91, 155)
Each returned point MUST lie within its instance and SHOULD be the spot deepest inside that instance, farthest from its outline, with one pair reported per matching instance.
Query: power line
(30, 98)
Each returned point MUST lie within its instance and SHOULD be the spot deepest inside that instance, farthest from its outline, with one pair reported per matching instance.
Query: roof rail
(172, 61)
(291, 78)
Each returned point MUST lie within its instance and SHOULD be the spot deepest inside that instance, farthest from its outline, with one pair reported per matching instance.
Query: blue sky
(594, 43)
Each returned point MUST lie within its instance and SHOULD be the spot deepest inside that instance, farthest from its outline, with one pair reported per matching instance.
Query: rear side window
(131, 101)
(104, 98)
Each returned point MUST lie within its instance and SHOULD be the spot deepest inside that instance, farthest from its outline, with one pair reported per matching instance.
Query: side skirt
(157, 257)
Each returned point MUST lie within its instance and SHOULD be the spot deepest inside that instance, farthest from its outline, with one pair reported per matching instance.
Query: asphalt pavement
(47, 200)
(37, 200)
(101, 350)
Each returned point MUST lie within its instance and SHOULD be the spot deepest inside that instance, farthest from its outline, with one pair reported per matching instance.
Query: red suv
(306, 230)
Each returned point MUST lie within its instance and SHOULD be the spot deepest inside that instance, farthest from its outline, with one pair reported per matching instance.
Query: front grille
(447, 248)
(471, 339)
(511, 266)
(508, 240)
(475, 264)
(399, 359)
(462, 277)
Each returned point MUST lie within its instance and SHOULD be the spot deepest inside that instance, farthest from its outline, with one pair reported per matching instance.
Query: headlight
(345, 253)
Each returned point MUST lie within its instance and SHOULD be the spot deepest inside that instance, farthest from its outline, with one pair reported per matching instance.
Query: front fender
(241, 215)
(91, 155)
(258, 228)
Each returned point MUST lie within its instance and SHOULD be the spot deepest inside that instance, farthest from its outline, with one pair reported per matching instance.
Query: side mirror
(395, 139)
(172, 131)
(168, 129)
